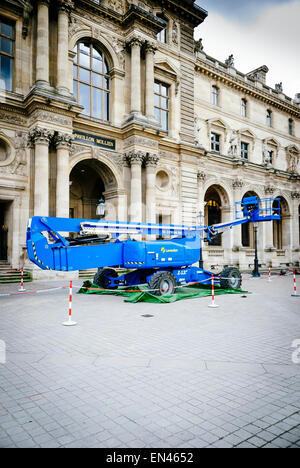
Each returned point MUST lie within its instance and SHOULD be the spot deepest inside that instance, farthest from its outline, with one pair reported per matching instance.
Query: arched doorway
(86, 188)
(213, 211)
(248, 239)
(281, 228)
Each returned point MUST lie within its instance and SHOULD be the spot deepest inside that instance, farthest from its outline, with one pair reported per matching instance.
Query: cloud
(238, 9)
(271, 39)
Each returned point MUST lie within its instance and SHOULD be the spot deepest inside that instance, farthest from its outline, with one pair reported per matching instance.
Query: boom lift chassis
(162, 264)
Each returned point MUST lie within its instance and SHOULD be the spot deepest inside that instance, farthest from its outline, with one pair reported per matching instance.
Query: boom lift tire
(101, 278)
(231, 278)
(163, 283)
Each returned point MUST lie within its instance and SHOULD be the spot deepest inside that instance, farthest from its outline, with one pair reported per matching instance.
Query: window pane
(97, 61)
(157, 114)
(84, 75)
(97, 103)
(84, 58)
(156, 100)
(75, 72)
(85, 98)
(164, 120)
(164, 103)
(157, 88)
(7, 30)
(6, 73)
(75, 89)
(106, 106)
(97, 80)
(6, 46)
(164, 90)
(106, 83)
(106, 68)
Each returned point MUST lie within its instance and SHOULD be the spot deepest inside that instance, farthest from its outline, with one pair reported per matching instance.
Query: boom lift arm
(99, 244)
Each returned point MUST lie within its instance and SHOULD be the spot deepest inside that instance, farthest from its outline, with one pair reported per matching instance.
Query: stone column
(64, 9)
(40, 137)
(151, 164)
(42, 43)
(136, 159)
(63, 143)
(135, 45)
(150, 51)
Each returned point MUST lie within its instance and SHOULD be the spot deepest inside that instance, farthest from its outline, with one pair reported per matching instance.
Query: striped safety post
(22, 281)
(295, 286)
(70, 322)
(213, 304)
(269, 280)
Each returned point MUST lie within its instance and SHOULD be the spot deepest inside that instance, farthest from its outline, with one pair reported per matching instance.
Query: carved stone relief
(50, 117)
(13, 119)
(14, 160)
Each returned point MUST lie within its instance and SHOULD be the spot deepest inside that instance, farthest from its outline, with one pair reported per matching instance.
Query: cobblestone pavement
(189, 376)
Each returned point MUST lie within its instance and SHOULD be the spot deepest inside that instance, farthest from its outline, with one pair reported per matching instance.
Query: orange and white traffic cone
(213, 305)
(69, 322)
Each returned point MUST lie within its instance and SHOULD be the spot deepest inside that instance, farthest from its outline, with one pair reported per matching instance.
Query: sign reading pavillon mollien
(95, 140)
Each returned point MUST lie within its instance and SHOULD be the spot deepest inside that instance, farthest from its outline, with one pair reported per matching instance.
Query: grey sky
(256, 32)
(242, 10)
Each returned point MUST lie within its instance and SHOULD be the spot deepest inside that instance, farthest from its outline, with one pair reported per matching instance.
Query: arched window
(91, 77)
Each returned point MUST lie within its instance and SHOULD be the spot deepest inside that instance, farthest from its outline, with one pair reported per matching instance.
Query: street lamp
(255, 272)
(100, 210)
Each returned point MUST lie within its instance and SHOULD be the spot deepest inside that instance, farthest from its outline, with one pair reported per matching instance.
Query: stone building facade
(115, 99)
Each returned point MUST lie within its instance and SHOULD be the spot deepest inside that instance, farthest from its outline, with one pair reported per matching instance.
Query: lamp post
(255, 272)
(100, 210)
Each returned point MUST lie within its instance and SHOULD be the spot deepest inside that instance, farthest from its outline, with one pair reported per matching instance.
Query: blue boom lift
(163, 264)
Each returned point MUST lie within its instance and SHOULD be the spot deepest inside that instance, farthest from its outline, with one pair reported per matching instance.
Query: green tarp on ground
(141, 294)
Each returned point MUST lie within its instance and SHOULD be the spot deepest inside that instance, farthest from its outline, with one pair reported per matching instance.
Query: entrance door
(3, 232)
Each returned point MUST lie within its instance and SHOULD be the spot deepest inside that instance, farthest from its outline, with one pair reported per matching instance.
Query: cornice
(240, 85)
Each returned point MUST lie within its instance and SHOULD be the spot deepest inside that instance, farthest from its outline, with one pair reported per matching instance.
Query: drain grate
(147, 315)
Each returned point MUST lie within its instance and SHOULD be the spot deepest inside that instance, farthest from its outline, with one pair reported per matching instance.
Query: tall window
(271, 156)
(215, 142)
(215, 95)
(7, 37)
(244, 108)
(91, 81)
(269, 118)
(162, 36)
(291, 127)
(244, 150)
(162, 103)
